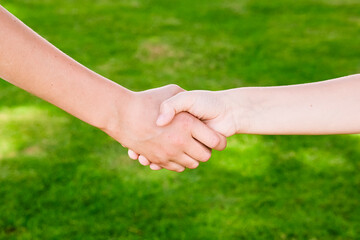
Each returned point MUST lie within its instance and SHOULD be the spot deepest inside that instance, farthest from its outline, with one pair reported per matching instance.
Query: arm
(33, 64)
(327, 107)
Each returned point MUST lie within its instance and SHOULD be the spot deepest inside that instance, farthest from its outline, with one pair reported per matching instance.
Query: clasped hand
(181, 144)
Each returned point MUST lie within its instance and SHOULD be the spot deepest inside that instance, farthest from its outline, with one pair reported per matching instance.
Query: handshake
(168, 127)
(173, 129)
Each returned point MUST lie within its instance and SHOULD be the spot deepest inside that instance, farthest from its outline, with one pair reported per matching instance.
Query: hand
(214, 108)
(183, 143)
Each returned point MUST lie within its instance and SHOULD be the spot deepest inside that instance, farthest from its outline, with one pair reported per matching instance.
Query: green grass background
(63, 179)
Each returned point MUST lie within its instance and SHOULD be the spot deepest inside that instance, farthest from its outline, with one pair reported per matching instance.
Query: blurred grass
(63, 179)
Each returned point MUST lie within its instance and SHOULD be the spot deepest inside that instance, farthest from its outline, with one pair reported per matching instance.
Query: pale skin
(33, 64)
(320, 108)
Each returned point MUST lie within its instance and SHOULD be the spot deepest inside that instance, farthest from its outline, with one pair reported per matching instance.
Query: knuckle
(186, 119)
(171, 154)
(158, 161)
(178, 141)
(174, 87)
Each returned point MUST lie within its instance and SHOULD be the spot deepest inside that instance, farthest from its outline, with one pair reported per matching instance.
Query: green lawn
(63, 179)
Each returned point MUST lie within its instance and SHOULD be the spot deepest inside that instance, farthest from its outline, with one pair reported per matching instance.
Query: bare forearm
(33, 64)
(328, 107)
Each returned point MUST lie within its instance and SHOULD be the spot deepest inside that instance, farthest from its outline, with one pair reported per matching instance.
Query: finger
(197, 151)
(189, 162)
(173, 166)
(154, 166)
(222, 143)
(170, 107)
(205, 135)
(143, 160)
(133, 155)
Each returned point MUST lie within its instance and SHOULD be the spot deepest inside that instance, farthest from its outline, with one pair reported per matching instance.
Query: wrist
(242, 108)
(115, 107)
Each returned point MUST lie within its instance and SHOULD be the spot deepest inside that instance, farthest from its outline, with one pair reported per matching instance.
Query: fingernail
(133, 155)
(143, 161)
(154, 167)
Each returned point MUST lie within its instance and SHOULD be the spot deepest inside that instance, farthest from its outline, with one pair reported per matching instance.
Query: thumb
(170, 107)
